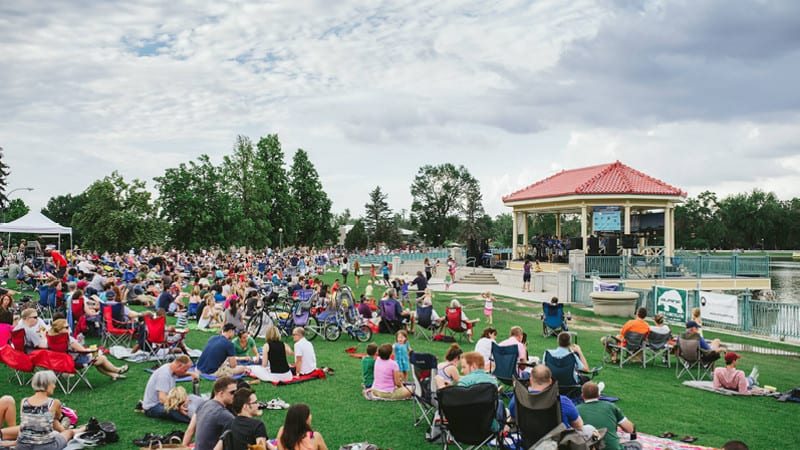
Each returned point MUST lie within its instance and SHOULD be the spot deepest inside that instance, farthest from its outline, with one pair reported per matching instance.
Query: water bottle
(79, 338)
(633, 434)
(196, 386)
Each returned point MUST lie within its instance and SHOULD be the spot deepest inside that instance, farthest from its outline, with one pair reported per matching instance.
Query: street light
(280, 238)
(8, 194)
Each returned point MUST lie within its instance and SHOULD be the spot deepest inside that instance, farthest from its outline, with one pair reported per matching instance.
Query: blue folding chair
(506, 361)
(553, 319)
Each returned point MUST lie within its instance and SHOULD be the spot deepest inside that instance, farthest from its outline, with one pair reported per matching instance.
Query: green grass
(652, 398)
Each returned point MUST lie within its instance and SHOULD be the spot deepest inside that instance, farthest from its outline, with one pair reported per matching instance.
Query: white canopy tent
(36, 223)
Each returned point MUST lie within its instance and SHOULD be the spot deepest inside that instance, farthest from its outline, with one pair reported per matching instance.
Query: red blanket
(301, 378)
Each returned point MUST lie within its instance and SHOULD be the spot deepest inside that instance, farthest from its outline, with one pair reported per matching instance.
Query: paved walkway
(437, 285)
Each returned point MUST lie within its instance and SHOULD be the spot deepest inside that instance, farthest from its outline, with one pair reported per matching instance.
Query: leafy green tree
(313, 211)
(62, 208)
(439, 199)
(247, 180)
(378, 218)
(357, 236)
(502, 230)
(117, 215)
(4, 172)
(16, 208)
(473, 227)
(698, 223)
(282, 206)
(751, 218)
(345, 218)
(198, 208)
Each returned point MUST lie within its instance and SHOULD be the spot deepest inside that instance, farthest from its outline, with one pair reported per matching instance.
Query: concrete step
(478, 278)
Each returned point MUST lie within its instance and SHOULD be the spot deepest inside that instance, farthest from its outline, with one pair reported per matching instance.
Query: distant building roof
(613, 178)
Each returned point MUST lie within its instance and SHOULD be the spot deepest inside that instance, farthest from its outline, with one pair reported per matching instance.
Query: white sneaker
(281, 403)
(754, 375)
(600, 387)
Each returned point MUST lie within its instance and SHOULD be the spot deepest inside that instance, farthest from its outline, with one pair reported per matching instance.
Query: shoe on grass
(754, 375)
(139, 408)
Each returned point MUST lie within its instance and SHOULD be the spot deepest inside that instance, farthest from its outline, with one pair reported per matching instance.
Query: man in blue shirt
(219, 355)
(541, 378)
(566, 348)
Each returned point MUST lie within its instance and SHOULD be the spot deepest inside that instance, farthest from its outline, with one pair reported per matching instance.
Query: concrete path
(437, 285)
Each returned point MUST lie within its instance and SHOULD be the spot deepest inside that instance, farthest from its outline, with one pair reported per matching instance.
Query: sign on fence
(719, 307)
(672, 303)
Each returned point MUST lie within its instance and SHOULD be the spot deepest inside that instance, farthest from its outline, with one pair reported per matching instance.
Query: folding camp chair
(657, 348)
(47, 305)
(468, 415)
(390, 322)
(155, 340)
(115, 332)
(14, 356)
(563, 370)
(423, 371)
(58, 359)
(425, 325)
(536, 414)
(631, 352)
(454, 323)
(553, 319)
(506, 363)
(689, 360)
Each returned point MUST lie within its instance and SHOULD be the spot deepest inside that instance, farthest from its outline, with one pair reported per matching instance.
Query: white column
(525, 232)
(584, 226)
(514, 232)
(627, 219)
(558, 225)
(668, 231)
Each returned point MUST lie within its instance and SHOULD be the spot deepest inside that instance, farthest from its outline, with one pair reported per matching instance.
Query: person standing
(421, 282)
(212, 417)
(428, 269)
(526, 276)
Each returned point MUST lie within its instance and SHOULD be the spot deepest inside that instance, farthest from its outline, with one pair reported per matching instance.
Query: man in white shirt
(305, 360)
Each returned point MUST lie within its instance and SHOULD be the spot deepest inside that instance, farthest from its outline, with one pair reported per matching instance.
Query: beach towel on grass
(124, 353)
(709, 386)
(650, 442)
(317, 374)
(211, 377)
(179, 380)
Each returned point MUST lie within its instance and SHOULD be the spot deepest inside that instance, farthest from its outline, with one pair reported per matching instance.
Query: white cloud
(699, 94)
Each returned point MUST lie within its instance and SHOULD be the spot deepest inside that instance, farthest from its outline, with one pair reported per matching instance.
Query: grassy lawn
(652, 398)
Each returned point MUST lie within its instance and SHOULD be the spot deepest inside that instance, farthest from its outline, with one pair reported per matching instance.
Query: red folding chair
(58, 359)
(115, 332)
(454, 323)
(14, 356)
(155, 341)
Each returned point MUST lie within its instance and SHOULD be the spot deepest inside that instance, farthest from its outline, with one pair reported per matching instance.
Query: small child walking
(401, 351)
(448, 279)
(488, 306)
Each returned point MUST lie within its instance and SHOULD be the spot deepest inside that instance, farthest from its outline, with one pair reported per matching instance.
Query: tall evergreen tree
(282, 206)
(378, 217)
(247, 179)
(4, 172)
(314, 224)
(356, 237)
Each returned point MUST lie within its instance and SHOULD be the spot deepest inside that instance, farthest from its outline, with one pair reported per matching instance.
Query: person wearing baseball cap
(729, 377)
(708, 353)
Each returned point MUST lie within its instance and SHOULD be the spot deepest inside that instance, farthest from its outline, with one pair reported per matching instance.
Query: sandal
(118, 376)
(689, 439)
(123, 369)
(668, 435)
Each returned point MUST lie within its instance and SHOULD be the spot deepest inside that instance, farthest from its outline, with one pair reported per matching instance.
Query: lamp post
(280, 238)
(9, 195)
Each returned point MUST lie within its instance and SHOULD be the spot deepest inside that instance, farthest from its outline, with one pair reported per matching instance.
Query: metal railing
(767, 318)
(641, 267)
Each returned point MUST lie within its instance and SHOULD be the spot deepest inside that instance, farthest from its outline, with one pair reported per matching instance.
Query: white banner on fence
(719, 307)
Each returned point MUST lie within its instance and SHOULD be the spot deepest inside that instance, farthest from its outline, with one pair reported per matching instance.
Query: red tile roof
(613, 178)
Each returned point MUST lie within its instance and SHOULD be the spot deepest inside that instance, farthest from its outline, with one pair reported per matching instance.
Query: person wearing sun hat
(729, 377)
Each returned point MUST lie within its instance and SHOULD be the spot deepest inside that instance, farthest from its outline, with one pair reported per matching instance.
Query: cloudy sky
(701, 94)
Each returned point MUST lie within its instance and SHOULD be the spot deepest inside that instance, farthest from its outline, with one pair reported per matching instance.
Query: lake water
(786, 281)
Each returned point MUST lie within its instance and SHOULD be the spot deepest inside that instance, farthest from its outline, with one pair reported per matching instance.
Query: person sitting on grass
(305, 359)
(212, 417)
(159, 386)
(274, 365)
(388, 380)
(8, 418)
(40, 417)
(219, 356)
(246, 429)
(602, 414)
(368, 366)
(637, 325)
(296, 432)
(245, 347)
(447, 370)
(729, 377)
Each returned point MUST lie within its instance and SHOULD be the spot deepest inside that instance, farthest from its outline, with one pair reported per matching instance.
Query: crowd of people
(216, 288)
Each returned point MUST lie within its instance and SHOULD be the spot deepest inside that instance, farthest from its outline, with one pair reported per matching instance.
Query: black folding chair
(632, 351)
(506, 362)
(468, 415)
(424, 323)
(657, 347)
(537, 414)
(423, 371)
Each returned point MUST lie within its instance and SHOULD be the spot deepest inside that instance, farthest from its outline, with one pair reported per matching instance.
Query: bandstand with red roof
(592, 190)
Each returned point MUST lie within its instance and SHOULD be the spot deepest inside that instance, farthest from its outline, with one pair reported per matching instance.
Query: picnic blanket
(211, 377)
(650, 442)
(709, 386)
(179, 380)
(124, 353)
(317, 374)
